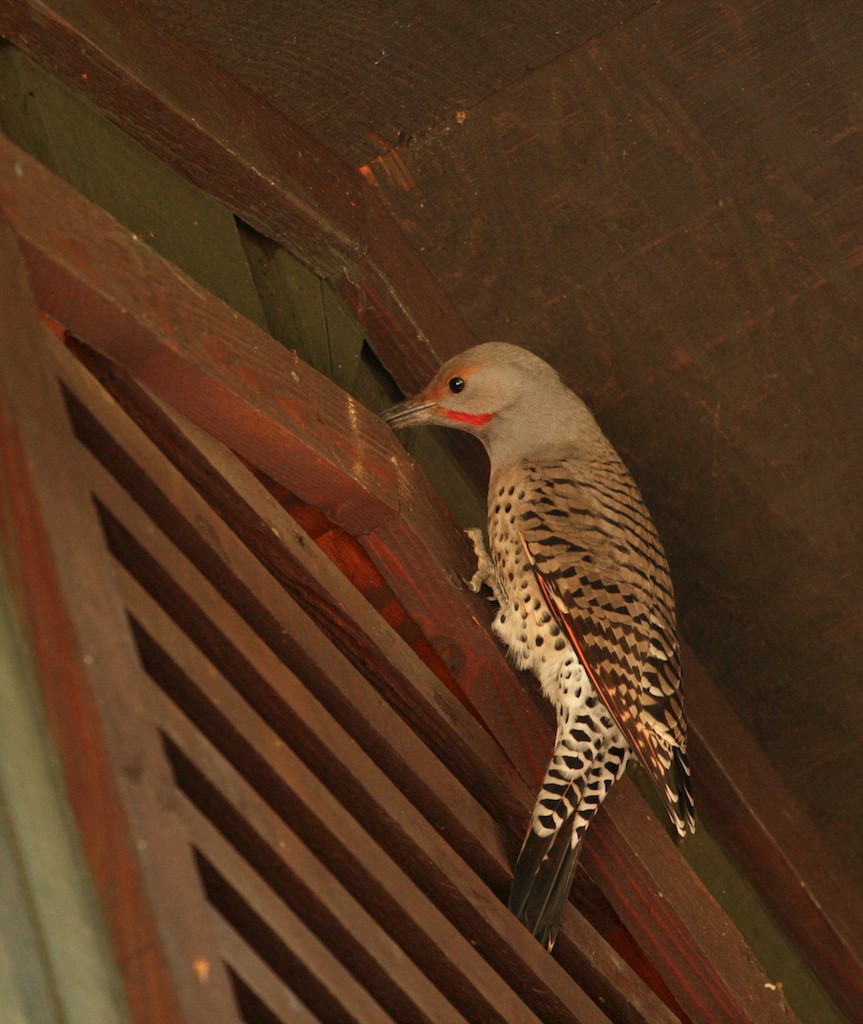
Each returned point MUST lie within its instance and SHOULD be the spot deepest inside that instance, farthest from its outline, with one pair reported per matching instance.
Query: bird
(585, 602)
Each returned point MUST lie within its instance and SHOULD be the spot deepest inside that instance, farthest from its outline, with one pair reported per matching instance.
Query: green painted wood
(56, 963)
(303, 312)
(181, 222)
(26, 993)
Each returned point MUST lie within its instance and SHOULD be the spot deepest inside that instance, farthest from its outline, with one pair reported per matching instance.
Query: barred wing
(603, 574)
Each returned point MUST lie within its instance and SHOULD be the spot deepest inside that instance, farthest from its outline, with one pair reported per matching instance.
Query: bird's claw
(486, 572)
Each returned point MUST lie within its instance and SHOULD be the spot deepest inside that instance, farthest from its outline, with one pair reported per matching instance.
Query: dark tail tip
(542, 882)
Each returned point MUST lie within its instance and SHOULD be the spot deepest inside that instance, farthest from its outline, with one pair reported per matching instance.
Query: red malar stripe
(477, 419)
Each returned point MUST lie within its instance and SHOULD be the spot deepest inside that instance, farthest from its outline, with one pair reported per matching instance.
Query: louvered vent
(349, 875)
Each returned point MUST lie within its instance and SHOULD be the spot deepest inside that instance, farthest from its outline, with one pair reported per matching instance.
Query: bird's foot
(486, 572)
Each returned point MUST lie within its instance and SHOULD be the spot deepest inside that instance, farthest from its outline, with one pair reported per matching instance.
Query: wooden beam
(225, 139)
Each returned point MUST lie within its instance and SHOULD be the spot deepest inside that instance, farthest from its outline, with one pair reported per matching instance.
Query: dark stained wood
(749, 98)
(694, 271)
(63, 131)
(411, 67)
(62, 575)
(289, 946)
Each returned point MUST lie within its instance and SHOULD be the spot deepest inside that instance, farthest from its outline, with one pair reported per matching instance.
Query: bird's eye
(455, 384)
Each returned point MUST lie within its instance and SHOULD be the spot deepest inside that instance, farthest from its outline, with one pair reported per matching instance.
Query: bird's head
(505, 395)
(472, 391)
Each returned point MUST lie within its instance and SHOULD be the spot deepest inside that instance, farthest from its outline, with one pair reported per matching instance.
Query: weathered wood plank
(56, 959)
(261, 993)
(114, 771)
(415, 67)
(62, 130)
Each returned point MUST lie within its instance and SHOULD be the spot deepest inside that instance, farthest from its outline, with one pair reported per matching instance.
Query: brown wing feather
(616, 693)
(614, 603)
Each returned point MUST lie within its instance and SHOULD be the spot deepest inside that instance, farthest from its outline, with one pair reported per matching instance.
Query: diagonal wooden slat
(263, 996)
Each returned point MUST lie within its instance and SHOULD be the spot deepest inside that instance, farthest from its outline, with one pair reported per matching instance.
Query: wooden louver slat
(220, 790)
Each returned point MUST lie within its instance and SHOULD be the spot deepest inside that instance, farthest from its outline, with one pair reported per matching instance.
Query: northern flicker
(585, 602)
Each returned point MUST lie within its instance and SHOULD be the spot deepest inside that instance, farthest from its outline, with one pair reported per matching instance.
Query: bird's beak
(410, 413)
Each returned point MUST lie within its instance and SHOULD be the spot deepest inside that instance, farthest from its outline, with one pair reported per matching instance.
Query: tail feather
(543, 880)
(579, 775)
